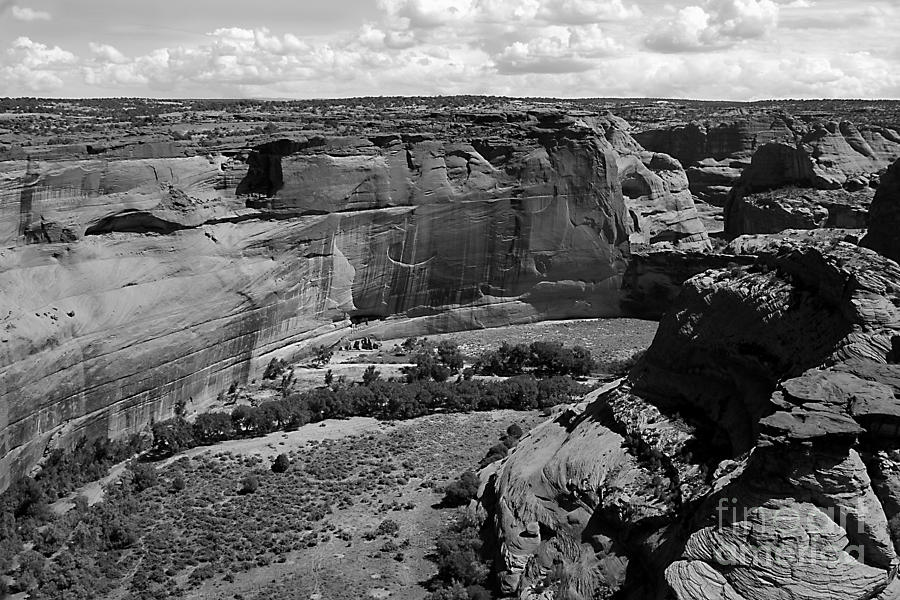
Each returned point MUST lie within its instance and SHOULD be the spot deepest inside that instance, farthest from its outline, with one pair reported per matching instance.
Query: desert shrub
(119, 534)
(388, 527)
(282, 463)
(458, 554)
(143, 476)
(249, 484)
(462, 490)
(514, 431)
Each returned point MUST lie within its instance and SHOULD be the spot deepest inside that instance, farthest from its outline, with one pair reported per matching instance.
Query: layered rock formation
(716, 153)
(749, 455)
(825, 179)
(884, 216)
(138, 277)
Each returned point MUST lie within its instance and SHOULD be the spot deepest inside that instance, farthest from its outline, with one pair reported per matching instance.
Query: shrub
(461, 491)
(282, 463)
(514, 431)
(143, 476)
(249, 484)
(388, 527)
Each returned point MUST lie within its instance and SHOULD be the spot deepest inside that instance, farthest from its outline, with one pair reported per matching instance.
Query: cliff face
(884, 216)
(714, 154)
(825, 179)
(749, 455)
(138, 277)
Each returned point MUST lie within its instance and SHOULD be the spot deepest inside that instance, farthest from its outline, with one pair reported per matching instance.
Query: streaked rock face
(135, 278)
(749, 455)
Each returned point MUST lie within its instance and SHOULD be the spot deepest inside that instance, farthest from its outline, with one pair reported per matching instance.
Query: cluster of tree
(543, 359)
(462, 568)
(389, 400)
(433, 362)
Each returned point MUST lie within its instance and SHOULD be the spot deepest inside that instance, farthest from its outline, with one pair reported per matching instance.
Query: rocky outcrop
(884, 216)
(716, 153)
(136, 278)
(660, 203)
(826, 179)
(748, 455)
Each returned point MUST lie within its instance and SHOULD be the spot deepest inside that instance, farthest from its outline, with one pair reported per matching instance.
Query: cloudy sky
(714, 49)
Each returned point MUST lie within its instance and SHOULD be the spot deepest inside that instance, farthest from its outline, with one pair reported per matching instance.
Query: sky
(704, 49)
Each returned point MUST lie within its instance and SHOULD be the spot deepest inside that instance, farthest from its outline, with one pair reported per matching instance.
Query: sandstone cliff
(137, 277)
(715, 153)
(825, 179)
(749, 455)
(884, 216)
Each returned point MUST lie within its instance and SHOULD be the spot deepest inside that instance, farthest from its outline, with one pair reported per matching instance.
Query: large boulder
(748, 455)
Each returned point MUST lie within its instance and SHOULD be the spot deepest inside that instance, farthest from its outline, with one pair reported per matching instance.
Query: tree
(210, 428)
(370, 376)
(274, 369)
(322, 355)
(172, 436)
(282, 463)
(450, 355)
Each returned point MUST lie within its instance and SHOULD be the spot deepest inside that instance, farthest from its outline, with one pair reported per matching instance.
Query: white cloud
(557, 49)
(35, 67)
(715, 24)
(22, 13)
(728, 49)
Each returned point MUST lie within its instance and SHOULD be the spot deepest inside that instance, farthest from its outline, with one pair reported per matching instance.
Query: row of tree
(389, 400)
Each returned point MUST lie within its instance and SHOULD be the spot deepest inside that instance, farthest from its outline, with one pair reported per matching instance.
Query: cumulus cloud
(22, 13)
(557, 49)
(715, 24)
(34, 66)
(728, 49)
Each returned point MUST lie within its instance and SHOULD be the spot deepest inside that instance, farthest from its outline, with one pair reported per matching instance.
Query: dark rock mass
(884, 216)
(750, 454)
